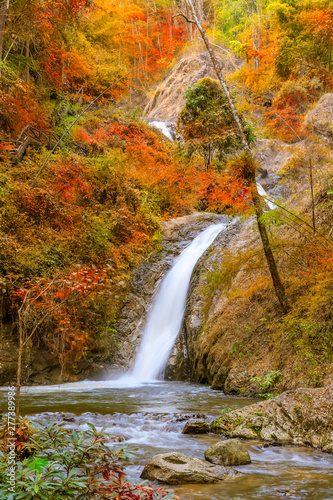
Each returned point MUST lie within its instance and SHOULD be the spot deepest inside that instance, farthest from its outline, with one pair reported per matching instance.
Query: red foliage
(286, 116)
(18, 108)
(71, 182)
(41, 206)
(55, 298)
(115, 487)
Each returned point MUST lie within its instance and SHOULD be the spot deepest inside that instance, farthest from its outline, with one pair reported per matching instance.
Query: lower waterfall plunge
(167, 311)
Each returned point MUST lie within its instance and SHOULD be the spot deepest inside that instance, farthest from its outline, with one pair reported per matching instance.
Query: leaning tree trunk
(278, 286)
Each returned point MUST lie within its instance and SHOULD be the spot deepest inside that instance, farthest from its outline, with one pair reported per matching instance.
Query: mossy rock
(229, 452)
(196, 426)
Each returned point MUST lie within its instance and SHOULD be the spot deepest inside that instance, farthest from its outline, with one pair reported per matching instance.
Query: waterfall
(263, 193)
(166, 315)
(163, 128)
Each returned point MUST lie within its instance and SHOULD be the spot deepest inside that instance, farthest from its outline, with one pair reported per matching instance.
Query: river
(151, 416)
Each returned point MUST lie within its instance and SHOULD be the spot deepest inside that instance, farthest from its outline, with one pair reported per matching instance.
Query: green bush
(66, 464)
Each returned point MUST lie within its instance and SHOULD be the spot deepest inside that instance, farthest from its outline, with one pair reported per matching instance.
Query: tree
(3, 16)
(51, 301)
(206, 122)
(249, 167)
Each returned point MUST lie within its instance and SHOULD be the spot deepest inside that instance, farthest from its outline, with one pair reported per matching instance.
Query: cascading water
(166, 315)
(163, 128)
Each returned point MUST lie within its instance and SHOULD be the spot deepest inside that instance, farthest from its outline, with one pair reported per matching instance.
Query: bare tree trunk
(278, 286)
(220, 77)
(27, 53)
(19, 369)
(312, 196)
(3, 16)
(256, 35)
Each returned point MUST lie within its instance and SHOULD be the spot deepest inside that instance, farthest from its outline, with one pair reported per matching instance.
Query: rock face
(196, 426)
(228, 452)
(169, 96)
(320, 118)
(176, 468)
(300, 417)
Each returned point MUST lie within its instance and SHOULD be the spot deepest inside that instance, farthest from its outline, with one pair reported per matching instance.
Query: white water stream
(166, 315)
(163, 128)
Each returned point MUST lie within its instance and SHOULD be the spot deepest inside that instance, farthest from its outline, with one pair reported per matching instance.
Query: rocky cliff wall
(169, 97)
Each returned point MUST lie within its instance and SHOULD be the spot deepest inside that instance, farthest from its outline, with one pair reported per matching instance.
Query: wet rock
(176, 468)
(300, 417)
(320, 118)
(68, 417)
(196, 426)
(220, 378)
(228, 452)
(290, 493)
(116, 439)
(182, 417)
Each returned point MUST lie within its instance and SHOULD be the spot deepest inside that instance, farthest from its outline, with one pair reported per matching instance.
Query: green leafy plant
(225, 410)
(267, 380)
(66, 464)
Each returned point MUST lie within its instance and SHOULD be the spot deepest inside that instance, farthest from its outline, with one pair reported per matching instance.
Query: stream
(151, 416)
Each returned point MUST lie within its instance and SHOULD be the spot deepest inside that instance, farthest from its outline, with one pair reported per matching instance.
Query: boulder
(299, 417)
(176, 468)
(321, 117)
(196, 426)
(228, 452)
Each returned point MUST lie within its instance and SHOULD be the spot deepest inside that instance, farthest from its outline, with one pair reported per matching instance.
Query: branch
(181, 14)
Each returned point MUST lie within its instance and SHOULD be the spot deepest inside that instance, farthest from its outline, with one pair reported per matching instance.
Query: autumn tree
(206, 122)
(51, 304)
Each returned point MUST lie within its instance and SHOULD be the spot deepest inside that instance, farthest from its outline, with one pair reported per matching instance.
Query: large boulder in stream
(228, 452)
(300, 417)
(176, 468)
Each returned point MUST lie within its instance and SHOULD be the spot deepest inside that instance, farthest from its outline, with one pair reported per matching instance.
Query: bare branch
(181, 14)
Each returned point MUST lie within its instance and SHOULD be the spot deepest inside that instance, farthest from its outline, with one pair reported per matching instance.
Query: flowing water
(168, 308)
(151, 416)
(163, 127)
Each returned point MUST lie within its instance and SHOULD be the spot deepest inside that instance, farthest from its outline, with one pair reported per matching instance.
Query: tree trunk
(3, 15)
(27, 55)
(18, 377)
(278, 286)
(312, 196)
(220, 77)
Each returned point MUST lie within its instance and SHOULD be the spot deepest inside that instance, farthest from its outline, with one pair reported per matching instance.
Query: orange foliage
(319, 22)
(19, 108)
(57, 297)
(179, 187)
(41, 206)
